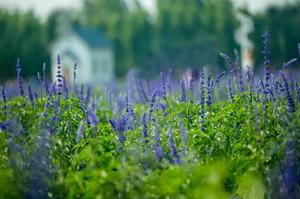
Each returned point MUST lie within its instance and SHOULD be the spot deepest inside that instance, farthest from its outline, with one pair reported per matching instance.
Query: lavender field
(229, 135)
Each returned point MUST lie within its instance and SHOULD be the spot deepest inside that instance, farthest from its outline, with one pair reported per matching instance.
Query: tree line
(179, 34)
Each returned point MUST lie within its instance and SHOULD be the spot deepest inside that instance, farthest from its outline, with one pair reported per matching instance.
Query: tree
(183, 33)
(282, 23)
(193, 32)
(22, 35)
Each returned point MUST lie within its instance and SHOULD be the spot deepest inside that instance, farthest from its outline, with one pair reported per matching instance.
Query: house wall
(103, 65)
(72, 49)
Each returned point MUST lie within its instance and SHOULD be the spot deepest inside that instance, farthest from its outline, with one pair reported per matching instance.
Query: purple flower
(121, 105)
(191, 90)
(119, 128)
(271, 94)
(219, 77)
(228, 61)
(31, 96)
(163, 85)
(4, 107)
(74, 73)
(209, 90)
(93, 118)
(266, 54)
(182, 130)
(183, 134)
(230, 91)
(152, 101)
(81, 97)
(88, 96)
(289, 170)
(174, 153)
(145, 128)
(158, 150)
(202, 100)
(289, 97)
(65, 89)
(55, 117)
(59, 77)
(18, 69)
(113, 123)
(44, 84)
(290, 62)
(241, 81)
(141, 91)
(182, 97)
(5, 125)
(250, 79)
(130, 115)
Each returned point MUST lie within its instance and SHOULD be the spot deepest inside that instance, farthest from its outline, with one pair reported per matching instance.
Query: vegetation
(202, 138)
(179, 34)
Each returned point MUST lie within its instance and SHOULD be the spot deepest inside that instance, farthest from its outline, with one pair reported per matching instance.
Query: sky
(44, 7)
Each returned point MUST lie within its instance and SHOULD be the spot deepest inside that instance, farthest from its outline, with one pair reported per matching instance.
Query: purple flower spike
(183, 134)
(88, 96)
(158, 150)
(18, 69)
(119, 128)
(93, 118)
(4, 99)
(121, 105)
(289, 63)
(152, 101)
(289, 97)
(31, 96)
(298, 95)
(289, 171)
(163, 85)
(74, 73)
(113, 123)
(209, 90)
(65, 89)
(192, 90)
(230, 91)
(266, 54)
(182, 130)
(145, 128)
(59, 77)
(174, 153)
(228, 61)
(202, 100)
(182, 97)
(219, 77)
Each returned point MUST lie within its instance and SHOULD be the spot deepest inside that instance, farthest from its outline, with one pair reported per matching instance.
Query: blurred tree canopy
(179, 34)
(282, 23)
(23, 36)
(182, 33)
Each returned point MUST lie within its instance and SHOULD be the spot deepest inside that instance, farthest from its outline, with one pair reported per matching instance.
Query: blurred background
(109, 38)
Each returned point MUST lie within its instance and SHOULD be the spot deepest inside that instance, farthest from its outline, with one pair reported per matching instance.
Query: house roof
(92, 36)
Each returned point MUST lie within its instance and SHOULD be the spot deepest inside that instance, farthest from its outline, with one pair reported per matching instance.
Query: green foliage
(232, 157)
(179, 33)
(285, 34)
(22, 35)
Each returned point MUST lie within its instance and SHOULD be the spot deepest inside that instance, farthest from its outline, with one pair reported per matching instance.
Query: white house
(90, 49)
